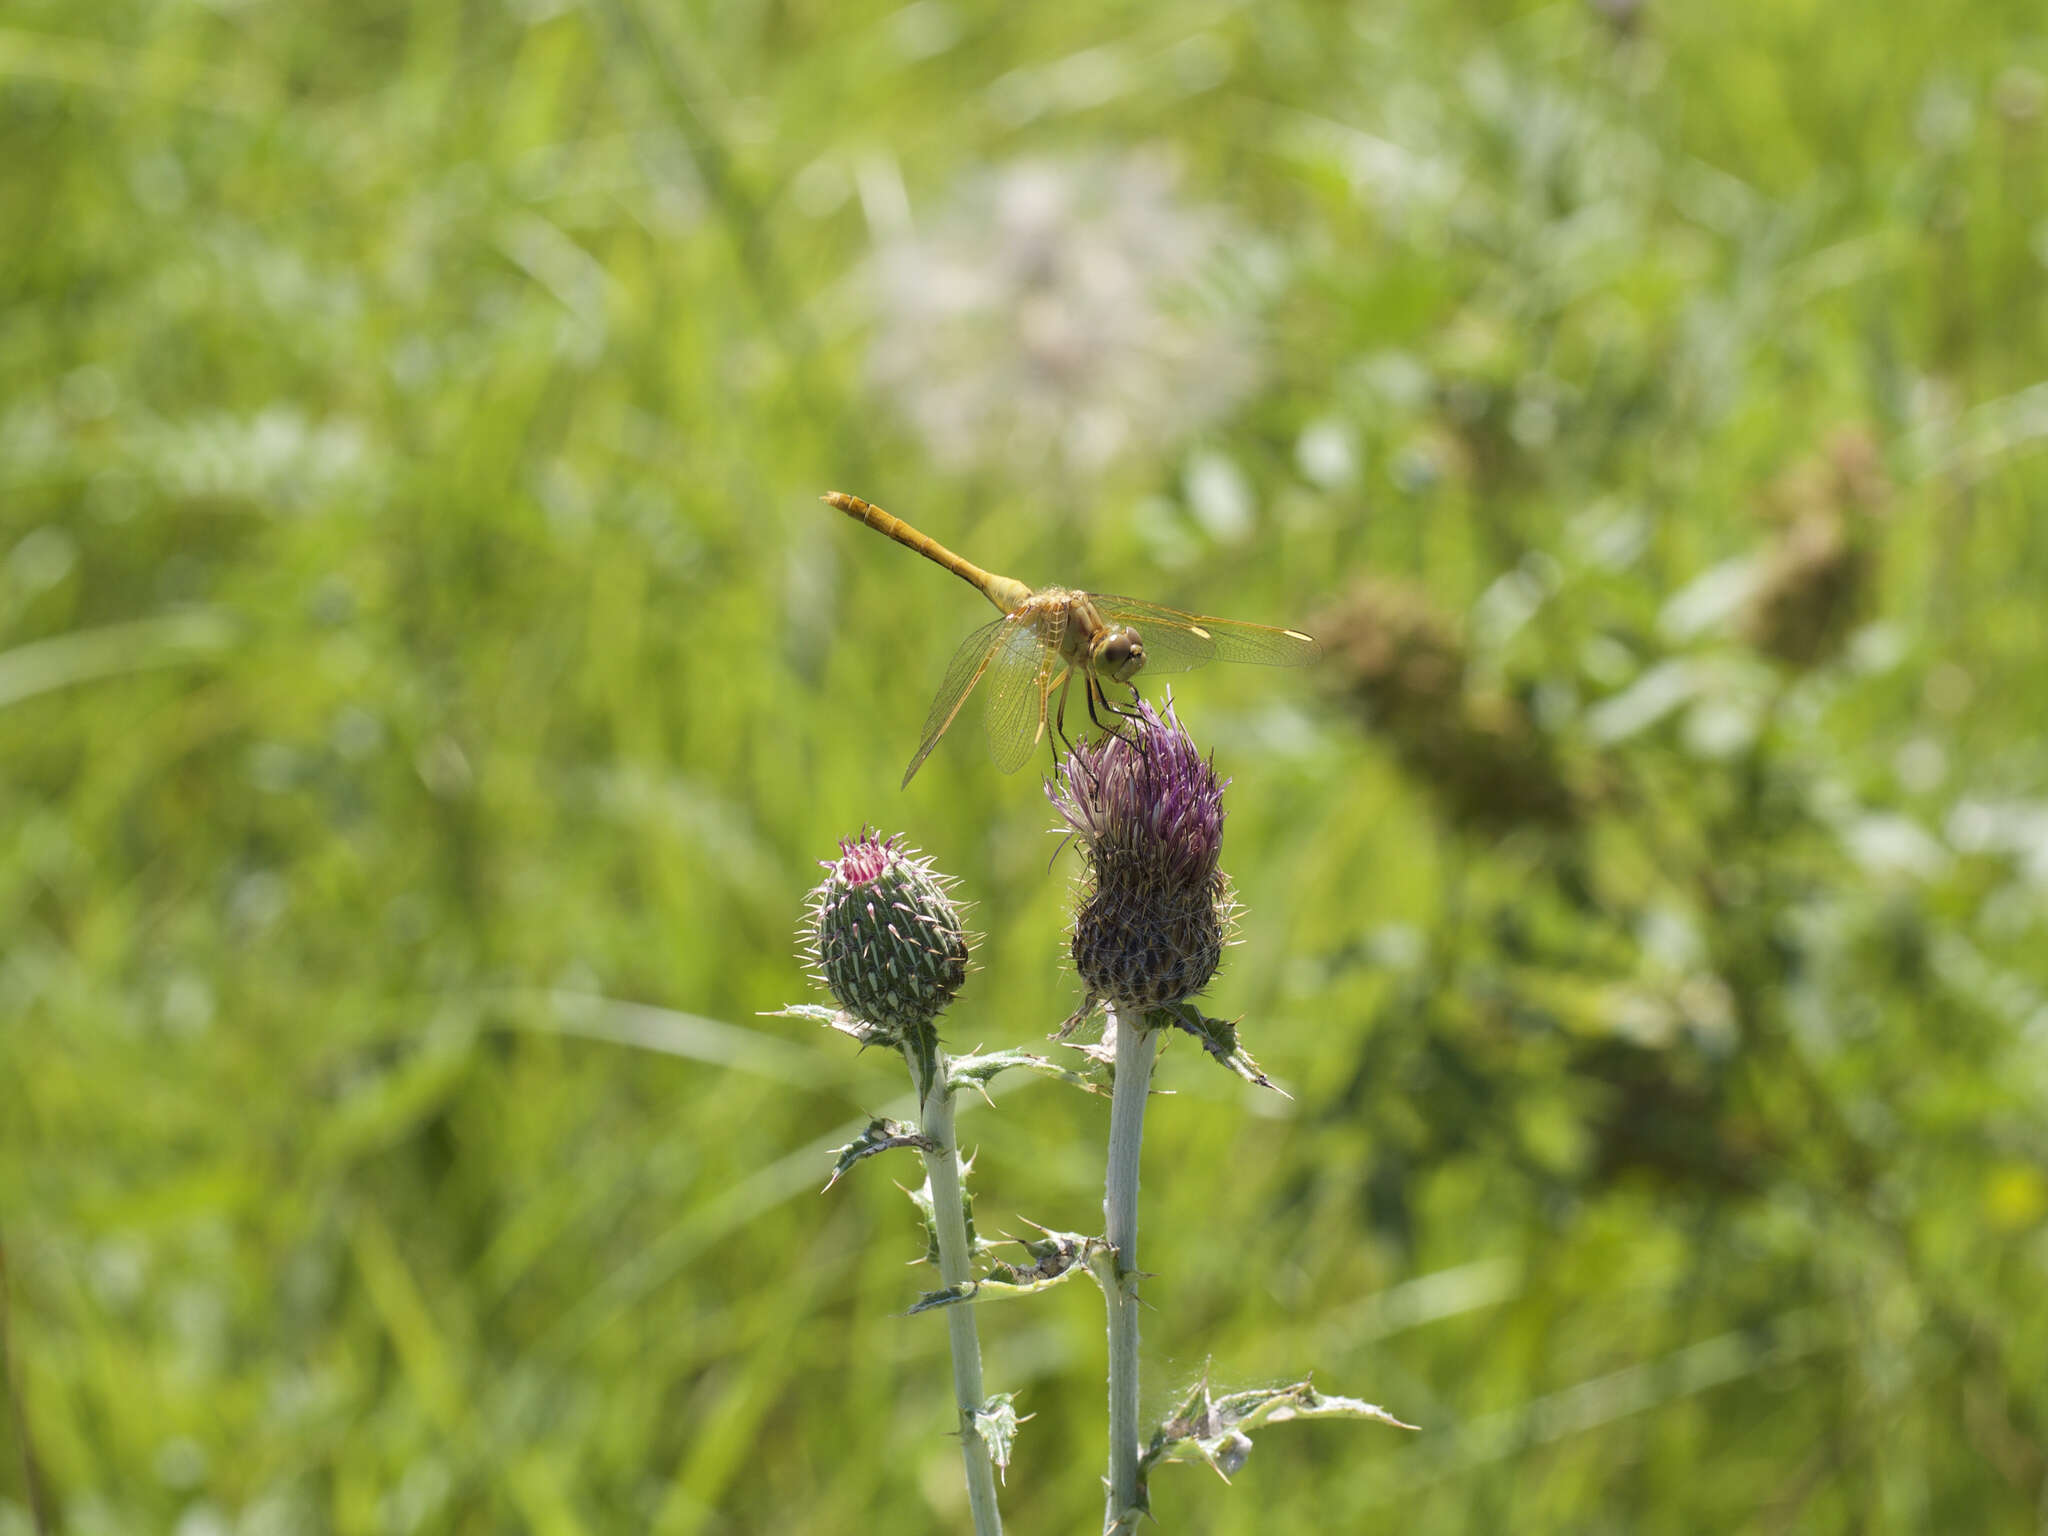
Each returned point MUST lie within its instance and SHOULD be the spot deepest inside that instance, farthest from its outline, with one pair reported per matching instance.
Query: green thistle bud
(885, 937)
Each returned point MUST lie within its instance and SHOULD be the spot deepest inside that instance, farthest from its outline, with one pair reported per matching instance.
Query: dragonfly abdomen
(1006, 593)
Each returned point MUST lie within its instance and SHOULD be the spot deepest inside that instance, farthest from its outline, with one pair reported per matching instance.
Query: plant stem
(1135, 1048)
(942, 1173)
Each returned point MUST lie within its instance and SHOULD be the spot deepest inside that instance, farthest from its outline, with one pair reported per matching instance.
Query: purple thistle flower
(886, 937)
(1156, 910)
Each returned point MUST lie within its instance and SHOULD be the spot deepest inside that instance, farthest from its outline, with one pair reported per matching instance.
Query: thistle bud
(1399, 665)
(885, 937)
(1155, 911)
(1397, 659)
(1818, 576)
(1815, 586)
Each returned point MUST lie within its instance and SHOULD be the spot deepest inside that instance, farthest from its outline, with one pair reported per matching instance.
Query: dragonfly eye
(1121, 655)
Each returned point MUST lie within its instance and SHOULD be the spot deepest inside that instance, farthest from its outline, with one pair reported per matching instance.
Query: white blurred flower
(1063, 310)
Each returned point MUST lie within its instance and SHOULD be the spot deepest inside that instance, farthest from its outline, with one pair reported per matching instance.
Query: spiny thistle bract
(885, 936)
(1156, 910)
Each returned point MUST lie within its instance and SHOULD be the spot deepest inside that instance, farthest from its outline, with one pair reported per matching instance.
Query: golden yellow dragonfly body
(1048, 635)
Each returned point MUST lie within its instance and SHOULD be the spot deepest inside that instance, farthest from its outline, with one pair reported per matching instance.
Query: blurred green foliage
(429, 677)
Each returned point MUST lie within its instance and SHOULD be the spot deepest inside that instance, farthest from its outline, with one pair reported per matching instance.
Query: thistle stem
(1136, 1047)
(942, 1173)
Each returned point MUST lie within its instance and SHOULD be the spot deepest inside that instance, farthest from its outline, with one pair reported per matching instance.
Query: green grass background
(429, 679)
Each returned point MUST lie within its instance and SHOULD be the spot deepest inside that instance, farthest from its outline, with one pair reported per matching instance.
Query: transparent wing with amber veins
(1180, 642)
(962, 673)
(1021, 674)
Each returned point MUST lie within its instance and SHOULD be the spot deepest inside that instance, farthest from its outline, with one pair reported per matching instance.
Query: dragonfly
(1048, 636)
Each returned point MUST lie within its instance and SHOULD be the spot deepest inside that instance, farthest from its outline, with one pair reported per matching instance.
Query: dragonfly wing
(1174, 642)
(962, 673)
(1021, 673)
(1172, 637)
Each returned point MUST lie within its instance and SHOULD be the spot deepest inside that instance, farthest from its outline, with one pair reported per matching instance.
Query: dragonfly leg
(1059, 719)
(1098, 695)
(1121, 711)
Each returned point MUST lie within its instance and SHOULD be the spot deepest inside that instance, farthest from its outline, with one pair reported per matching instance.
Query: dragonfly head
(1119, 654)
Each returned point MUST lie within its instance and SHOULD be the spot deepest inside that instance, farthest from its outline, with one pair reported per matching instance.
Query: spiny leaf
(836, 1018)
(921, 1197)
(931, 1301)
(879, 1136)
(1217, 1430)
(988, 1290)
(996, 1421)
(979, 1071)
(1217, 1036)
(1055, 1258)
(1052, 1255)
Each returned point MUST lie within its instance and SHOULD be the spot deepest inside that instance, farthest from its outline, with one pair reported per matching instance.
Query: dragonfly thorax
(1087, 642)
